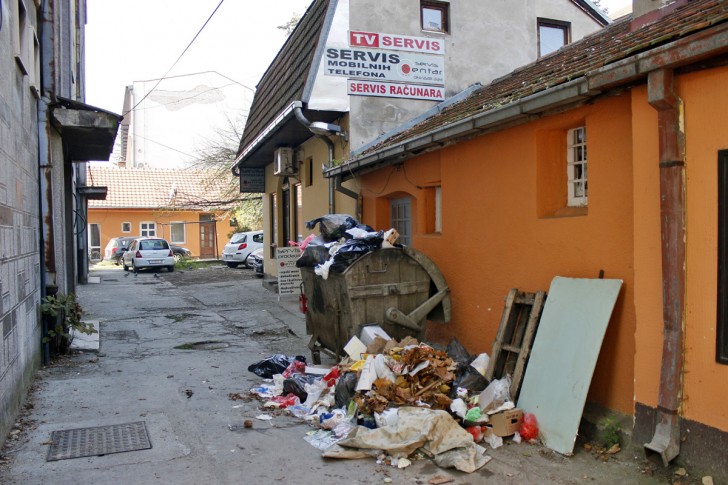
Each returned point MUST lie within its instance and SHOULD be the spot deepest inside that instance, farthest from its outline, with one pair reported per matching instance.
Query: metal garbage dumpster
(398, 289)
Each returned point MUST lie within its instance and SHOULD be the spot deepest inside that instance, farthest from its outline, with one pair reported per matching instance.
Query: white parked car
(240, 246)
(148, 252)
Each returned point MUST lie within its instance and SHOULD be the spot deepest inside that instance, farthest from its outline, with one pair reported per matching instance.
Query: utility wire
(178, 59)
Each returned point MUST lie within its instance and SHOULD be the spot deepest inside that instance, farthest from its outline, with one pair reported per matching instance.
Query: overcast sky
(135, 40)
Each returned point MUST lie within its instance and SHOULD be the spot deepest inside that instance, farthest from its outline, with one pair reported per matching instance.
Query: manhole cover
(97, 441)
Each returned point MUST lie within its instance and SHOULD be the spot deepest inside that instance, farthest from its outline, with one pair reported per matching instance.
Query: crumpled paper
(435, 431)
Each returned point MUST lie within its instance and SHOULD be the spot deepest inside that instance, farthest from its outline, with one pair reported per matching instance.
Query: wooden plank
(527, 342)
(387, 289)
(498, 344)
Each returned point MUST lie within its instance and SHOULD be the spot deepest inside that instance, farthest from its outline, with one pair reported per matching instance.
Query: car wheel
(232, 265)
(177, 257)
(170, 268)
(133, 266)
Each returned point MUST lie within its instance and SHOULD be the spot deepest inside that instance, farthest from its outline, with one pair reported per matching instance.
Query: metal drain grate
(97, 441)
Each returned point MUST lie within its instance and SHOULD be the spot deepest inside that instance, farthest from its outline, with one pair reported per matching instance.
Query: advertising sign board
(289, 276)
(394, 90)
(375, 40)
(384, 65)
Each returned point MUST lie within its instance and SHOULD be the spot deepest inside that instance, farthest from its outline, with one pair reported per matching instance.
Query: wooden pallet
(513, 342)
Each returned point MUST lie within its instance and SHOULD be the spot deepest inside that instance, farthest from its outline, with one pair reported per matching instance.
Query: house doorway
(207, 236)
(94, 242)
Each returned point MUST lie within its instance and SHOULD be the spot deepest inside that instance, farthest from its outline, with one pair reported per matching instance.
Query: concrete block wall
(19, 228)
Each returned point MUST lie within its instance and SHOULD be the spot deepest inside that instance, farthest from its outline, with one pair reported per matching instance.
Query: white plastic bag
(495, 395)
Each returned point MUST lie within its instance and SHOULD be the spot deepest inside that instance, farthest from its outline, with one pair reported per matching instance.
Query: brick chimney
(647, 11)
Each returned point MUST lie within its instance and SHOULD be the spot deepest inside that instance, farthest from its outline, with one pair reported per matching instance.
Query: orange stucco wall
(110, 225)
(500, 229)
(705, 101)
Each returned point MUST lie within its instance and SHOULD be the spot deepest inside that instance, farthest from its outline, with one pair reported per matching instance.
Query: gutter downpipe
(45, 194)
(670, 111)
(330, 145)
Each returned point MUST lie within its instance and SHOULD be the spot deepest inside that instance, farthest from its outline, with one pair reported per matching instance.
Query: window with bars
(576, 167)
(401, 218)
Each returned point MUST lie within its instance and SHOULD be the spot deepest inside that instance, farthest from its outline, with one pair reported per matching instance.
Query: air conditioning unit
(283, 162)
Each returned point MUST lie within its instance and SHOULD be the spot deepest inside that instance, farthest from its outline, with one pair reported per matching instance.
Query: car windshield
(153, 244)
(238, 238)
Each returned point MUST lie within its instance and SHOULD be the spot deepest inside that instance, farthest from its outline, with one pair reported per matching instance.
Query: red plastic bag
(529, 427)
(332, 377)
(477, 433)
(295, 367)
(287, 401)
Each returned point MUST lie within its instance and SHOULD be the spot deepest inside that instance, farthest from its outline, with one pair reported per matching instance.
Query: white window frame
(149, 231)
(576, 167)
(126, 227)
(171, 232)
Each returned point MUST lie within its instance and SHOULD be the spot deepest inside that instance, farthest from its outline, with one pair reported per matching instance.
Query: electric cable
(178, 59)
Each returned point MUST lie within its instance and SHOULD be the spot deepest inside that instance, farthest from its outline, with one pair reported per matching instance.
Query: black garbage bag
(275, 364)
(354, 249)
(333, 226)
(315, 253)
(296, 384)
(458, 353)
(345, 389)
(466, 376)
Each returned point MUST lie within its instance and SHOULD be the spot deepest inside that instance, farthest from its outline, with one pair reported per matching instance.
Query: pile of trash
(388, 399)
(343, 240)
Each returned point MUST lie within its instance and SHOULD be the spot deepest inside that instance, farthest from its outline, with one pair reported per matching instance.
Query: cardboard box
(505, 423)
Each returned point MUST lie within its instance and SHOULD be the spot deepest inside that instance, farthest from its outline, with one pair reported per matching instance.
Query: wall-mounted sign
(374, 40)
(394, 90)
(252, 180)
(384, 65)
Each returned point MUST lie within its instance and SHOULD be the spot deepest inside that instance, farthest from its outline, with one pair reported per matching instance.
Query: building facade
(46, 135)
(353, 70)
(612, 163)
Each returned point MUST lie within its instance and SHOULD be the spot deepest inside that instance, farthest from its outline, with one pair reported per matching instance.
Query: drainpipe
(45, 169)
(330, 144)
(662, 97)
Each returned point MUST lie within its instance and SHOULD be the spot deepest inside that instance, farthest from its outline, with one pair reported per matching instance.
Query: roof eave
(694, 48)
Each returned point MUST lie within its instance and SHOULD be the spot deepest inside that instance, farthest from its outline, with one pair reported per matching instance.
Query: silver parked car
(148, 252)
(240, 246)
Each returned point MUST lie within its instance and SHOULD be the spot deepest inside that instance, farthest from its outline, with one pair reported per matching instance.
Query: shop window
(552, 35)
(434, 16)
(721, 355)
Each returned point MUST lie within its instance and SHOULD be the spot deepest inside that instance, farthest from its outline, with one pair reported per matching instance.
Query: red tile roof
(573, 61)
(144, 188)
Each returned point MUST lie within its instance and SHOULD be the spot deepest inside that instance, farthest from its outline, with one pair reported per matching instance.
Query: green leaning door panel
(564, 354)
